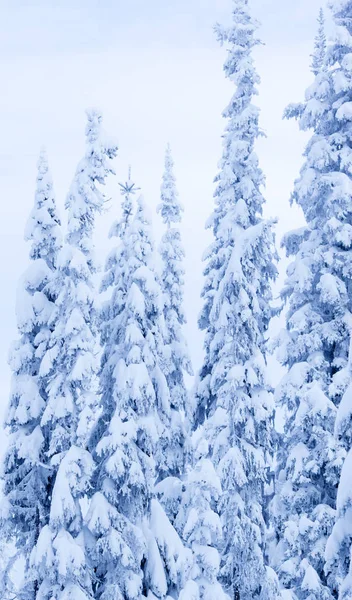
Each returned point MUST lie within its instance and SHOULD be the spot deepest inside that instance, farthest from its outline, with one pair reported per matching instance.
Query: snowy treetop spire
(240, 178)
(170, 207)
(84, 198)
(233, 395)
(318, 56)
(43, 226)
(241, 37)
(129, 187)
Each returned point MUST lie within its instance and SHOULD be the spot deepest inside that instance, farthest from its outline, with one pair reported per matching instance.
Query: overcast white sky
(155, 70)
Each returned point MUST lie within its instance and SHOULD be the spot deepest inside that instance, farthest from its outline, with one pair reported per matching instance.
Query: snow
(331, 288)
(344, 112)
(344, 494)
(190, 591)
(342, 530)
(344, 412)
(155, 568)
(68, 554)
(73, 473)
(30, 446)
(232, 395)
(310, 581)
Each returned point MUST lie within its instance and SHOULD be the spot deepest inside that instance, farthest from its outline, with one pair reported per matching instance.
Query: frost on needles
(136, 552)
(174, 444)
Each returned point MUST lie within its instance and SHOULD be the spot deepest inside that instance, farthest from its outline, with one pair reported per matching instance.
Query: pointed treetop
(241, 32)
(44, 179)
(85, 198)
(129, 187)
(170, 207)
(318, 56)
(94, 119)
(42, 163)
(43, 225)
(238, 193)
(127, 190)
(95, 133)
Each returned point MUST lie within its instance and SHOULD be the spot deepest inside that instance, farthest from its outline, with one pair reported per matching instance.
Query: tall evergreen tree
(338, 206)
(136, 551)
(233, 394)
(60, 565)
(174, 445)
(26, 471)
(315, 345)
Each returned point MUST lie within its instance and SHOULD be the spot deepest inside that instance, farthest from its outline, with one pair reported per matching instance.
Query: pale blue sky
(155, 70)
(44, 26)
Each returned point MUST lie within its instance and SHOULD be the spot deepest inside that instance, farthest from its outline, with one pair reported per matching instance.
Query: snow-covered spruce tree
(115, 280)
(233, 394)
(60, 564)
(26, 473)
(174, 443)
(315, 345)
(336, 202)
(136, 551)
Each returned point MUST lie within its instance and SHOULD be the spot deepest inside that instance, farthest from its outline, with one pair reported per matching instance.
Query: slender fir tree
(60, 565)
(136, 551)
(337, 205)
(315, 345)
(233, 394)
(174, 444)
(115, 279)
(319, 53)
(26, 469)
